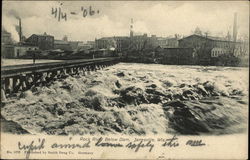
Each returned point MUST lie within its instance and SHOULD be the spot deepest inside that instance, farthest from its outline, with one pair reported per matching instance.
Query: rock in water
(26, 94)
(183, 120)
(120, 74)
(12, 127)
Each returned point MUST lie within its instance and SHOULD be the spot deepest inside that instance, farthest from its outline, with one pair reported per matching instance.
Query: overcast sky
(162, 18)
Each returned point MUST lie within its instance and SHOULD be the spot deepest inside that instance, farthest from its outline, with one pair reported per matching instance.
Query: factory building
(44, 41)
(62, 45)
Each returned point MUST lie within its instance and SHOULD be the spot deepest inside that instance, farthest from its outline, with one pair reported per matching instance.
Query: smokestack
(235, 28)
(20, 30)
(131, 28)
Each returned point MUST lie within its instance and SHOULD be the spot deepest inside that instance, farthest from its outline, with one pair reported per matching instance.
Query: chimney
(235, 28)
(20, 30)
(131, 28)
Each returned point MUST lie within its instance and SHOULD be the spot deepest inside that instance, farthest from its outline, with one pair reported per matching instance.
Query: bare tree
(197, 31)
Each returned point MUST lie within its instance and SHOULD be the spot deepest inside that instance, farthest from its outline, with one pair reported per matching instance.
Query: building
(138, 42)
(122, 43)
(74, 44)
(175, 56)
(105, 43)
(208, 43)
(7, 47)
(44, 42)
(6, 37)
(91, 44)
(24, 50)
(218, 51)
(207, 47)
(172, 42)
(63, 45)
(165, 42)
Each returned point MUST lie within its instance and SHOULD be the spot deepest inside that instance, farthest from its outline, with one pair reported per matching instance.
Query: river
(137, 99)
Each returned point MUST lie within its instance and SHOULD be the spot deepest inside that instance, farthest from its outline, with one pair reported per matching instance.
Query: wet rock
(120, 74)
(71, 105)
(182, 119)
(154, 92)
(34, 89)
(70, 122)
(26, 94)
(215, 93)
(202, 90)
(116, 91)
(12, 127)
(118, 84)
(91, 93)
(188, 92)
(209, 86)
(94, 82)
(154, 96)
(116, 128)
(169, 83)
(152, 86)
(133, 95)
(131, 112)
(56, 109)
(225, 94)
(60, 111)
(67, 86)
(95, 102)
(183, 85)
(175, 103)
(53, 125)
(237, 92)
(155, 99)
(178, 96)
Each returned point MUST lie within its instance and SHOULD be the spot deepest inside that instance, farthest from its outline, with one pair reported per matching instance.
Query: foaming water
(137, 99)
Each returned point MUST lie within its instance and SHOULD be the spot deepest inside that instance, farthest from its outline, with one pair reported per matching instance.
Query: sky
(161, 18)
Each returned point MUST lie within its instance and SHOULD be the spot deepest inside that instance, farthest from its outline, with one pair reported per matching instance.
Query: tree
(65, 38)
(198, 31)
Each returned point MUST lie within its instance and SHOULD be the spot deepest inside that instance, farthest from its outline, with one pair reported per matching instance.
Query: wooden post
(48, 77)
(29, 81)
(65, 71)
(23, 81)
(43, 78)
(78, 70)
(3, 96)
(16, 84)
(54, 75)
(84, 71)
(71, 71)
(89, 70)
(7, 85)
(37, 79)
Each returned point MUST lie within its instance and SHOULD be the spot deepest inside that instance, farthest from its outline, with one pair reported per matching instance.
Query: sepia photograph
(144, 69)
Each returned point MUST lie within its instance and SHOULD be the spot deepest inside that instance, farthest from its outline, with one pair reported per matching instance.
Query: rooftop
(45, 34)
(60, 42)
(209, 37)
